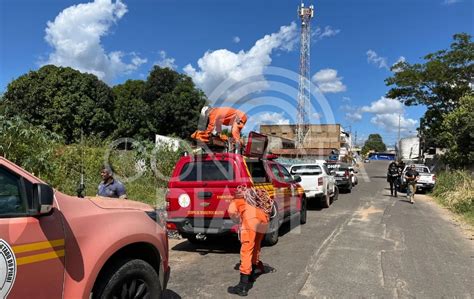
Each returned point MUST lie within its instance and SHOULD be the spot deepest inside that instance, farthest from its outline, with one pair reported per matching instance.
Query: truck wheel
(335, 195)
(303, 211)
(349, 189)
(325, 200)
(271, 237)
(131, 278)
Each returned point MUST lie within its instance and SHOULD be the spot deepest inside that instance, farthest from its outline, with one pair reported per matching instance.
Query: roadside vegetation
(443, 84)
(455, 190)
(59, 123)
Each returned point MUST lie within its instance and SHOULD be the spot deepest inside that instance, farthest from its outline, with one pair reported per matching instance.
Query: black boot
(242, 288)
(257, 270)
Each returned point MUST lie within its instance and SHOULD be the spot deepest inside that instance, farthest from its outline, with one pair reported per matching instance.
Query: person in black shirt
(411, 176)
(393, 175)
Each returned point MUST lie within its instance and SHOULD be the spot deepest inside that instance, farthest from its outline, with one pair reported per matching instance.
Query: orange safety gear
(254, 224)
(223, 116)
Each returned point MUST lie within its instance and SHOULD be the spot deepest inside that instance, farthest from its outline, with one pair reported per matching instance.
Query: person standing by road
(393, 176)
(251, 208)
(411, 176)
(110, 187)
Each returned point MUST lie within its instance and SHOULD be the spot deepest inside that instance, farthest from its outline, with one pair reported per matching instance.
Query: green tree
(132, 113)
(375, 143)
(458, 133)
(438, 83)
(174, 101)
(63, 100)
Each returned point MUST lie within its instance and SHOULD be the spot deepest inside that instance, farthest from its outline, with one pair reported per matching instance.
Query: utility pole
(304, 86)
(355, 139)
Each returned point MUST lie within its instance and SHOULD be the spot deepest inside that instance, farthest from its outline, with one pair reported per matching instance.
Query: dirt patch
(365, 213)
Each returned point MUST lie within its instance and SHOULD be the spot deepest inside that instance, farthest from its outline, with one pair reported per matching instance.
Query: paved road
(367, 244)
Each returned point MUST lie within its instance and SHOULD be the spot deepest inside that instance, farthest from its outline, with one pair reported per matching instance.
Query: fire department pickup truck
(202, 187)
(57, 246)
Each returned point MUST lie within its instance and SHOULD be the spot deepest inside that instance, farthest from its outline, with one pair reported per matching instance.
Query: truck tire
(326, 200)
(304, 210)
(335, 195)
(271, 237)
(134, 276)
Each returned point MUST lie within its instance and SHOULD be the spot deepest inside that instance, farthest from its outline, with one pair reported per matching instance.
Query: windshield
(306, 170)
(207, 171)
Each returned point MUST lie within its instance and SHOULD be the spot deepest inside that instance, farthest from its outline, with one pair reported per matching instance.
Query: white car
(426, 181)
(316, 181)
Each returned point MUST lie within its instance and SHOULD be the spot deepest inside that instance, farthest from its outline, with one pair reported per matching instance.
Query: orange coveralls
(254, 224)
(225, 116)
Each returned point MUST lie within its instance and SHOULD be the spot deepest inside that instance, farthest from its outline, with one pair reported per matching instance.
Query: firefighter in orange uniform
(254, 224)
(221, 116)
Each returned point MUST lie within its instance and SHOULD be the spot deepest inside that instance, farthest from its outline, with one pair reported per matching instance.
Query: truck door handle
(204, 195)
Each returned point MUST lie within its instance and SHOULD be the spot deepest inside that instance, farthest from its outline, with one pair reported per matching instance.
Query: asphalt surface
(367, 244)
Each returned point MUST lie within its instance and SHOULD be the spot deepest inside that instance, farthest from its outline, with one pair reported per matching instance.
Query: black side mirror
(297, 178)
(43, 198)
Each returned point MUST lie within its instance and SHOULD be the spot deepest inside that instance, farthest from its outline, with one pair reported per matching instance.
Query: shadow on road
(220, 245)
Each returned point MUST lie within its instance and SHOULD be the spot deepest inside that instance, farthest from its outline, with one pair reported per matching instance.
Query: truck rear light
(346, 173)
(320, 181)
(171, 226)
(434, 178)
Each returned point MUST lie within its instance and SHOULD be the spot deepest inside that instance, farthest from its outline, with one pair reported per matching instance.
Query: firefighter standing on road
(252, 208)
(221, 116)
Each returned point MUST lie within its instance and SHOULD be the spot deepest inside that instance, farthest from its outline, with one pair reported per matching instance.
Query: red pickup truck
(56, 246)
(202, 187)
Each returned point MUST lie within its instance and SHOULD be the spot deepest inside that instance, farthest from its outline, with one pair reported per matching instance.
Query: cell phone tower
(305, 14)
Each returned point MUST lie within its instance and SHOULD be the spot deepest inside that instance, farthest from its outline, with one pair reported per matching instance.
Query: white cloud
(328, 81)
(316, 115)
(272, 118)
(374, 58)
(346, 99)
(383, 105)
(449, 2)
(166, 61)
(75, 35)
(328, 31)
(390, 121)
(353, 116)
(220, 65)
(236, 39)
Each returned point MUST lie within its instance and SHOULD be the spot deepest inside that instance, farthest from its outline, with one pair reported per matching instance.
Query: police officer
(411, 176)
(393, 175)
(110, 187)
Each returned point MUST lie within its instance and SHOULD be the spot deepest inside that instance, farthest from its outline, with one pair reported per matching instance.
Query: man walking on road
(393, 176)
(411, 176)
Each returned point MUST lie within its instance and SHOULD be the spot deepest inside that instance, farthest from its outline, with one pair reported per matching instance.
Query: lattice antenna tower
(305, 14)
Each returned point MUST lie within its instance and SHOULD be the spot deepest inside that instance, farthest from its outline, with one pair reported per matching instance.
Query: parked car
(59, 246)
(426, 182)
(202, 187)
(317, 182)
(342, 175)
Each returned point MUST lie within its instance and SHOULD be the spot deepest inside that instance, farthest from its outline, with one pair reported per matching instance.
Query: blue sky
(252, 45)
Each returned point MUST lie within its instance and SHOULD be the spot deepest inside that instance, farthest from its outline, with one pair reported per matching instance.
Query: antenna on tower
(305, 14)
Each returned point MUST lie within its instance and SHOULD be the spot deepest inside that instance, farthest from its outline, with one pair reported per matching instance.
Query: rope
(258, 198)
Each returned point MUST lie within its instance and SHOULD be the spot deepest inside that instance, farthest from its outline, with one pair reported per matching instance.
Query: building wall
(318, 136)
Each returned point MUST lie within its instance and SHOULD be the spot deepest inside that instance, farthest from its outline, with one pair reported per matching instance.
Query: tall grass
(455, 190)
